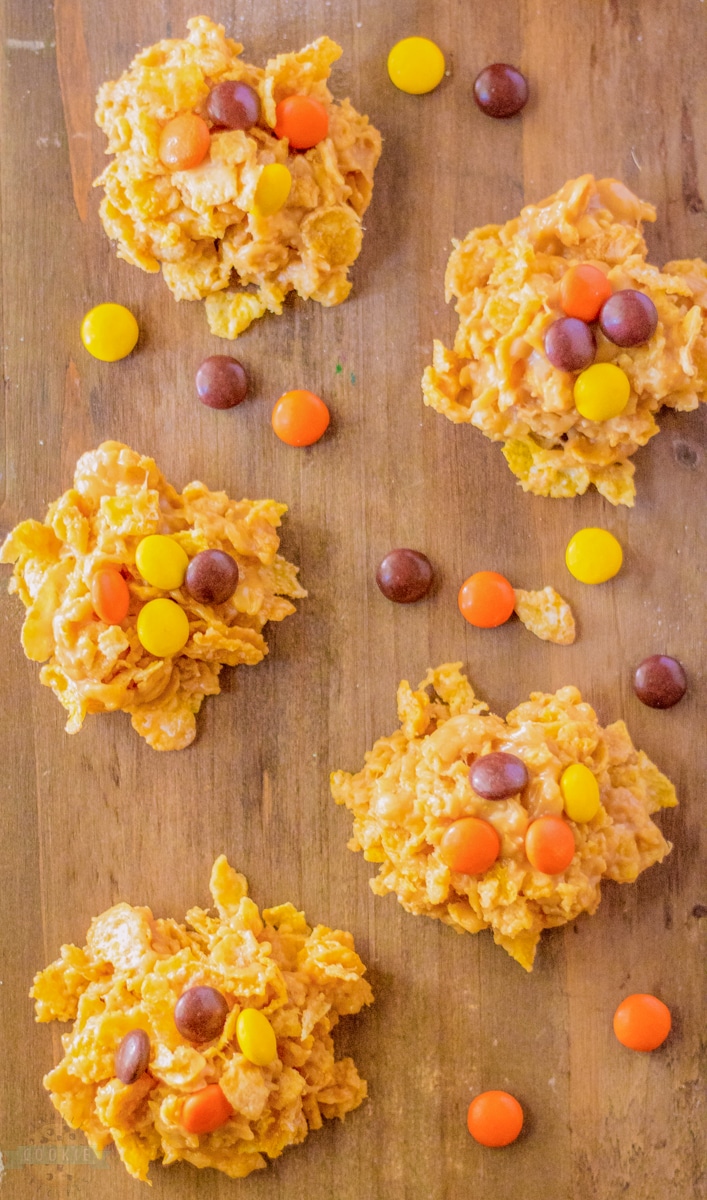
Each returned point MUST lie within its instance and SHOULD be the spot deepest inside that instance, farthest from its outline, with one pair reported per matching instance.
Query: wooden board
(619, 89)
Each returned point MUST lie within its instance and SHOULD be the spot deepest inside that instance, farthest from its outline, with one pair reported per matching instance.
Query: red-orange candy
(184, 142)
(300, 418)
(583, 291)
(642, 1022)
(470, 846)
(303, 120)
(486, 599)
(549, 845)
(205, 1110)
(494, 1119)
(110, 596)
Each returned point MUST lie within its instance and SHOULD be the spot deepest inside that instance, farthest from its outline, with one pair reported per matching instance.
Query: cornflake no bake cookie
(269, 990)
(201, 225)
(118, 499)
(506, 282)
(414, 794)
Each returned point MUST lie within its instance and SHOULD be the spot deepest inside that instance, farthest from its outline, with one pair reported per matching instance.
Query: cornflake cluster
(130, 976)
(201, 225)
(415, 784)
(118, 498)
(506, 282)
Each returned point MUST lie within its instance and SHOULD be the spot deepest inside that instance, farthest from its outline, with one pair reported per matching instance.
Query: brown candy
(405, 576)
(660, 681)
(200, 1013)
(132, 1057)
(221, 382)
(497, 776)
(500, 90)
(212, 577)
(233, 105)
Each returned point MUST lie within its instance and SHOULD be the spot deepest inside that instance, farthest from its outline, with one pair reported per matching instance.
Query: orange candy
(110, 596)
(583, 291)
(470, 846)
(300, 418)
(549, 845)
(184, 142)
(642, 1022)
(303, 120)
(486, 599)
(205, 1110)
(495, 1118)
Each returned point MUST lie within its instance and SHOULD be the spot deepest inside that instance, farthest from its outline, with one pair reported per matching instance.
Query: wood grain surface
(618, 88)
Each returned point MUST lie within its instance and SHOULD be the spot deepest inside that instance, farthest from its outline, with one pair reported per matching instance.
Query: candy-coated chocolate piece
(405, 576)
(593, 555)
(110, 595)
(184, 142)
(570, 344)
(256, 1037)
(163, 628)
(303, 120)
(601, 392)
(642, 1022)
(300, 418)
(221, 381)
(494, 1119)
(233, 105)
(212, 577)
(550, 845)
(161, 561)
(486, 599)
(200, 1013)
(132, 1057)
(583, 291)
(272, 189)
(501, 90)
(470, 846)
(660, 681)
(580, 793)
(498, 775)
(628, 318)
(109, 332)
(205, 1110)
(416, 65)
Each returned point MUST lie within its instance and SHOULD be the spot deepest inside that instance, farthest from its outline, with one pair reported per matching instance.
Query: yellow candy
(601, 392)
(580, 792)
(163, 628)
(416, 65)
(161, 562)
(109, 332)
(272, 190)
(256, 1037)
(593, 555)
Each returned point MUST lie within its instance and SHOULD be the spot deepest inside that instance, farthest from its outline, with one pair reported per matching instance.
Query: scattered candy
(212, 577)
(163, 628)
(303, 120)
(642, 1022)
(583, 291)
(272, 189)
(221, 382)
(580, 793)
(109, 332)
(501, 90)
(601, 392)
(184, 142)
(486, 599)
(660, 681)
(549, 845)
(499, 775)
(132, 1057)
(470, 846)
(300, 418)
(110, 596)
(205, 1110)
(593, 555)
(233, 105)
(628, 318)
(495, 1119)
(416, 65)
(405, 576)
(256, 1037)
(200, 1013)
(570, 344)
(161, 561)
